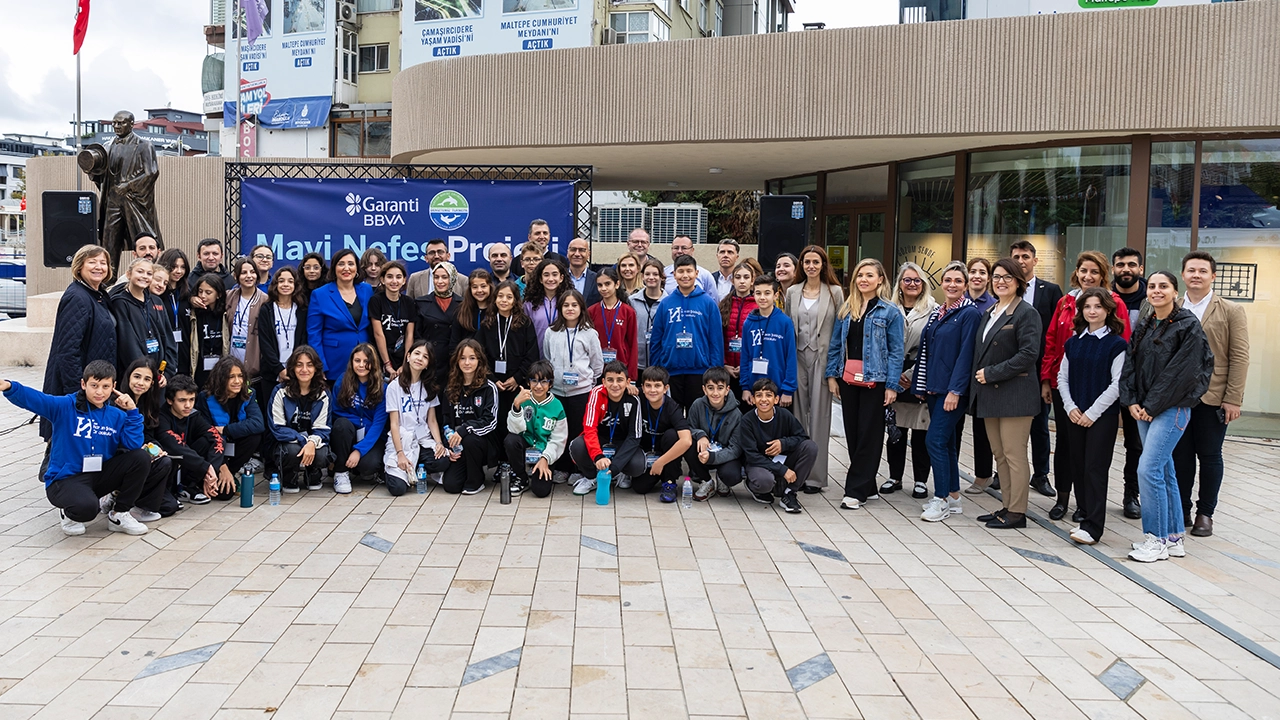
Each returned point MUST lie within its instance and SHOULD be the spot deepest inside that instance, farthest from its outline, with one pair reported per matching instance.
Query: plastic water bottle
(687, 493)
(246, 490)
(604, 479)
(422, 479)
(273, 489)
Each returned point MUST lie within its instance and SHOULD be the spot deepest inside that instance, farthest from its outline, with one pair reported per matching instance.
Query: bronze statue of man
(127, 181)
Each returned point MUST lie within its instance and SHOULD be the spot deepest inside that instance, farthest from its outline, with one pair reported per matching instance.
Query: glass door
(853, 234)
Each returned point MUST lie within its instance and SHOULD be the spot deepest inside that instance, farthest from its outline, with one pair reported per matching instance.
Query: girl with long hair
(864, 368)
(542, 295)
(645, 303)
(359, 420)
(314, 271)
(477, 300)
(414, 437)
(393, 317)
(785, 269)
(573, 347)
(142, 330)
(244, 305)
(913, 294)
(436, 313)
(209, 334)
(735, 306)
(471, 419)
(510, 344)
(812, 305)
(980, 283)
(371, 263)
(227, 401)
(615, 322)
(282, 326)
(139, 383)
(300, 421)
(177, 303)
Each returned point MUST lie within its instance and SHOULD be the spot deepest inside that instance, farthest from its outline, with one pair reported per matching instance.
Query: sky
(148, 53)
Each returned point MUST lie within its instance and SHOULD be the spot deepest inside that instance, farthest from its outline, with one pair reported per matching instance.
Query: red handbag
(853, 374)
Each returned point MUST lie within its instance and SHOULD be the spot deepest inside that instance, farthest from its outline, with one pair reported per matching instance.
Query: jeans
(944, 455)
(1157, 479)
(1202, 441)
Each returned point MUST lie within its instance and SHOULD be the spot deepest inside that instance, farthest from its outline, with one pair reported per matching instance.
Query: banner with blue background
(296, 216)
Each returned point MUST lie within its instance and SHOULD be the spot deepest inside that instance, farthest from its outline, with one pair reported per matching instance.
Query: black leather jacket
(1168, 364)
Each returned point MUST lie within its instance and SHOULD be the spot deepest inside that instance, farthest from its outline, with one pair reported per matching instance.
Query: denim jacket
(883, 346)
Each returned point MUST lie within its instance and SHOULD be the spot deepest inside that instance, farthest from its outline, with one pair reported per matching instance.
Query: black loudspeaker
(70, 222)
(784, 226)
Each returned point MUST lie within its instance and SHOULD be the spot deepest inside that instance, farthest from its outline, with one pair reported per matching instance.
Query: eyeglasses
(261, 256)
(1001, 278)
(538, 381)
(912, 281)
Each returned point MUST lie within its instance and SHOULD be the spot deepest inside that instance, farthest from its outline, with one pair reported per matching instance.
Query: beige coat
(813, 330)
(256, 302)
(913, 415)
(1227, 329)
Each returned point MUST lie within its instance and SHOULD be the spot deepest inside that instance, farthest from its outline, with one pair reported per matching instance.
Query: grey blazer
(1008, 357)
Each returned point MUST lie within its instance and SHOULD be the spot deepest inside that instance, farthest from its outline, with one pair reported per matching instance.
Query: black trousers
(729, 472)
(762, 480)
(1090, 465)
(1132, 452)
(1202, 441)
(290, 463)
(897, 455)
(645, 481)
(467, 472)
(342, 438)
(982, 456)
(1062, 475)
(628, 460)
(685, 389)
(245, 448)
(863, 411)
(1040, 443)
(130, 474)
(575, 407)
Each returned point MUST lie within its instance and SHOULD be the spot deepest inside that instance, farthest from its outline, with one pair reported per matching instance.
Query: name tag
(92, 463)
(210, 361)
(609, 355)
(399, 344)
(714, 447)
(735, 344)
(239, 341)
(359, 434)
(684, 341)
(649, 460)
(153, 345)
(569, 378)
(760, 366)
(177, 336)
(532, 456)
(780, 459)
(500, 367)
(228, 449)
(646, 336)
(608, 451)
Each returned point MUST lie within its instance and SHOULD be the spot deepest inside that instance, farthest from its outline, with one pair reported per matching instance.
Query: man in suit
(580, 272)
(1227, 329)
(1043, 296)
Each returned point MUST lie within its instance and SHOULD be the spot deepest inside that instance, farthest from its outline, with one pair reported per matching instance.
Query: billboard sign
(435, 29)
(296, 216)
(286, 76)
(1013, 8)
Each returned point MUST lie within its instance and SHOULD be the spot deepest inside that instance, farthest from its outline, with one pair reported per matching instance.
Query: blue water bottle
(422, 479)
(246, 490)
(604, 479)
(273, 489)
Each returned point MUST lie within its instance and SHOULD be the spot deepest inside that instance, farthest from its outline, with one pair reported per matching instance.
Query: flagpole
(78, 126)
(235, 26)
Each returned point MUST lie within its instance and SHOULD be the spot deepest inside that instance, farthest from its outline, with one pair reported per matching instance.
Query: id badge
(228, 449)
(649, 460)
(92, 463)
(646, 337)
(360, 434)
(714, 447)
(760, 366)
(177, 336)
(608, 452)
(684, 341)
(399, 344)
(609, 355)
(735, 345)
(210, 361)
(500, 367)
(532, 456)
(153, 345)
(780, 459)
(239, 341)
(569, 378)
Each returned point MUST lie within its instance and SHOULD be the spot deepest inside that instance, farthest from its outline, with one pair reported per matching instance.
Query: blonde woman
(812, 304)
(913, 294)
(864, 367)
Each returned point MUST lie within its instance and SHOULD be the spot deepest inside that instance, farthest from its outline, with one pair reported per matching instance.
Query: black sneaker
(518, 486)
(812, 490)
(763, 498)
(196, 498)
(790, 502)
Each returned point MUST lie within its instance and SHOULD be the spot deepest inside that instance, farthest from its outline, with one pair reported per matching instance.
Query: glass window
(1063, 200)
(926, 213)
(862, 185)
(637, 22)
(1169, 203)
(636, 27)
(719, 32)
(378, 139)
(346, 137)
(375, 58)
(618, 21)
(369, 6)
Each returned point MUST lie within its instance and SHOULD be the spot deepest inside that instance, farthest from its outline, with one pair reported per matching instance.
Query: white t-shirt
(286, 324)
(413, 407)
(240, 328)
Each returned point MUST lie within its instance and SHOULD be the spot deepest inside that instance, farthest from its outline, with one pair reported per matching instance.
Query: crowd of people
(354, 370)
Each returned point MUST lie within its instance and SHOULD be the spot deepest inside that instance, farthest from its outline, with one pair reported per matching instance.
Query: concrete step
(42, 309)
(21, 344)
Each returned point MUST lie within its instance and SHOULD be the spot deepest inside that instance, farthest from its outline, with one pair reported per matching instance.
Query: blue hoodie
(697, 315)
(79, 429)
(372, 419)
(774, 339)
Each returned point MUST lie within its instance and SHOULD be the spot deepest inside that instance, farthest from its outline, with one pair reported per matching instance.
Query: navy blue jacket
(241, 420)
(946, 351)
(372, 419)
(330, 329)
(83, 331)
(293, 422)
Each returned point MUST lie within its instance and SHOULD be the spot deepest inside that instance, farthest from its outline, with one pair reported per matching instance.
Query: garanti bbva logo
(380, 213)
(448, 210)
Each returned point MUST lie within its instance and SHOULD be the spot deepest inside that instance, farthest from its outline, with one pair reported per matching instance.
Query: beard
(1126, 279)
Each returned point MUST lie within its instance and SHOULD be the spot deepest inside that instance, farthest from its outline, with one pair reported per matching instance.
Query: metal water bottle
(246, 490)
(504, 483)
(604, 479)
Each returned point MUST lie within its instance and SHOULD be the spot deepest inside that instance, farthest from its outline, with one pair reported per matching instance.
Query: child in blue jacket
(687, 337)
(768, 344)
(359, 436)
(95, 450)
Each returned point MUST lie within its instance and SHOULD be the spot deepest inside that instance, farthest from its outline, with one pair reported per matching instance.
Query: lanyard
(175, 314)
(570, 334)
(502, 337)
(652, 422)
(715, 429)
(617, 420)
(768, 319)
(609, 323)
(242, 316)
(548, 312)
(289, 326)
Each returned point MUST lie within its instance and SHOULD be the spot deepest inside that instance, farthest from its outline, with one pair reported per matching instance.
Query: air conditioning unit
(610, 36)
(348, 16)
(671, 219)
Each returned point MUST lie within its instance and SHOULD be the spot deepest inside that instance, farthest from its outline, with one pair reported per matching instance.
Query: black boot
(1132, 508)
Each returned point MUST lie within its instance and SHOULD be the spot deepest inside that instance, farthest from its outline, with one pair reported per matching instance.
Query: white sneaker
(1151, 550)
(954, 507)
(848, 503)
(69, 526)
(583, 485)
(624, 481)
(1080, 535)
(342, 483)
(1175, 548)
(125, 523)
(935, 511)
(705, 490)
(145, 516)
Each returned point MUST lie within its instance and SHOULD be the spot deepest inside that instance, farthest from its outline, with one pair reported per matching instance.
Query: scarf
(453, 278)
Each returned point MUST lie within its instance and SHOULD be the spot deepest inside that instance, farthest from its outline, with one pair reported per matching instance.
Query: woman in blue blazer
(338, 316)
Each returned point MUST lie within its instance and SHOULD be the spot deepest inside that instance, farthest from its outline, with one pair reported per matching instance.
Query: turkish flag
(82, 25)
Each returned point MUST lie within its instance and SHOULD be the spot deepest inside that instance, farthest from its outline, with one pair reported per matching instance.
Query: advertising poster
(296, 216)
(286, 75)
(1012, 8)
(435, 29)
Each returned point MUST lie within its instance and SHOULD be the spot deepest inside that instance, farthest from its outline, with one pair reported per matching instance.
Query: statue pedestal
(25, 341)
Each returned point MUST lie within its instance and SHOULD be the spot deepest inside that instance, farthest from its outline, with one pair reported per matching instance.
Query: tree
(730, 213)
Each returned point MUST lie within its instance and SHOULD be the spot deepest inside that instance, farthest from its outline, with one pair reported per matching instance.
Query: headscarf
(453, 278)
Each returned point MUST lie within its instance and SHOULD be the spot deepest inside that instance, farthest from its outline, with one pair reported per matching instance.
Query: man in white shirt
(638, 244)
(683, 245)
(727, 257)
